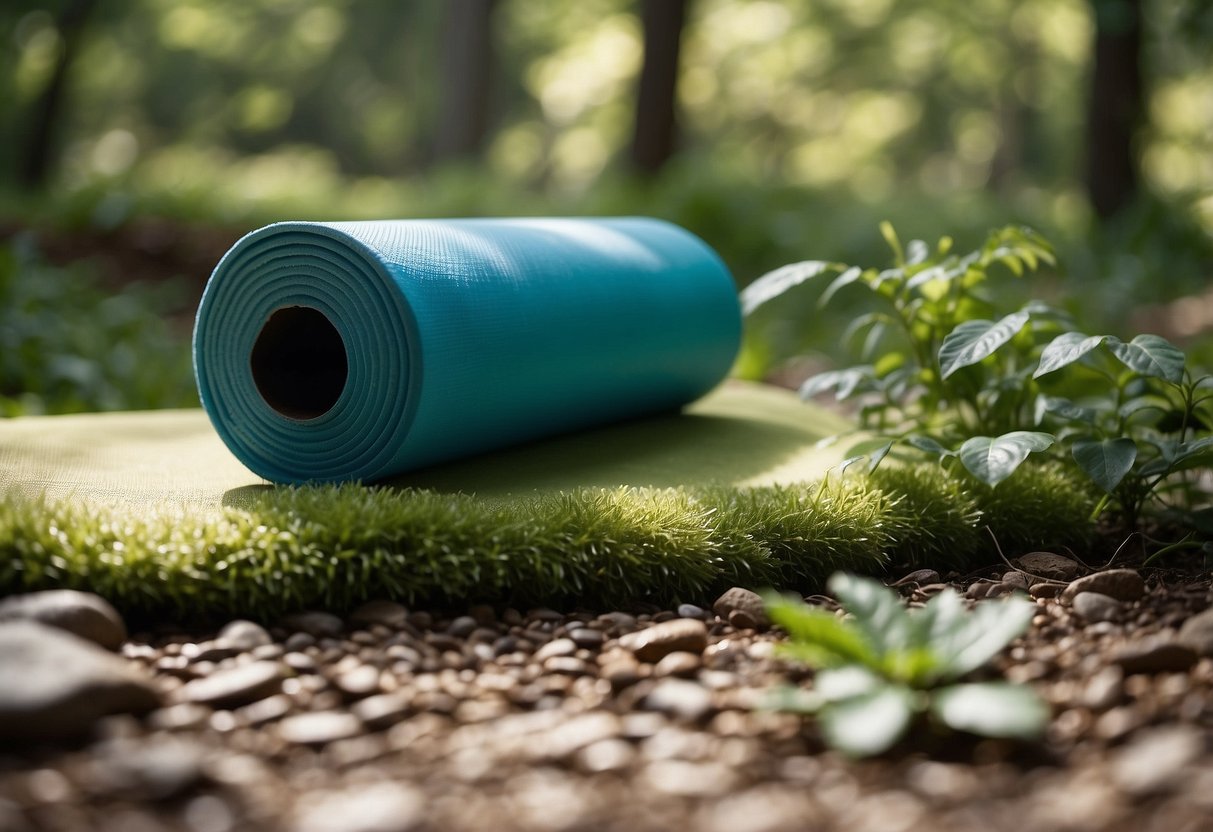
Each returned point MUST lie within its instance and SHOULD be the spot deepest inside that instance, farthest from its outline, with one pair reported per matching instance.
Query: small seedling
(884, 664)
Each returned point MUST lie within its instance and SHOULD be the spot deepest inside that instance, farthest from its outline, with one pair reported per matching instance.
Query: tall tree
(38, 151)
(1115, 106)
(655, 133)
(467, 65)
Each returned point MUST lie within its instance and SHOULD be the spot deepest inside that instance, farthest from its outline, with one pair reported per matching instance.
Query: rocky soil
(500, 719)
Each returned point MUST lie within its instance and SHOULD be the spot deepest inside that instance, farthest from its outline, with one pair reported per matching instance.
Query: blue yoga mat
(360, 350)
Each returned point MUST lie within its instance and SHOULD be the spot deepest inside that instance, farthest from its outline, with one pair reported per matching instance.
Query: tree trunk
(656, 124)
(467, 64)
(37, 157)
(1116, 105)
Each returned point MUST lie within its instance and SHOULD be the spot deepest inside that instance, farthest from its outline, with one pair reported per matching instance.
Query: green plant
(947, 380)
(882, 665)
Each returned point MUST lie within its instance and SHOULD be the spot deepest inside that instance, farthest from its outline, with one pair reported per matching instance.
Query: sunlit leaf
(964, 643)
(879, 612)
(993, 459)
(870, 723)
(845, 682)
(773, 284)
(1105, 461)
(844, 383)
(929, 445)
(973, 341)
(1150, 355)
(992, 709)
(830, 640)
(848, 277)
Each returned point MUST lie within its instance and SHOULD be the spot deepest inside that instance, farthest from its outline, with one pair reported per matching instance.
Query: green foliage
(69, 345)
(941, 378)
(883, 664)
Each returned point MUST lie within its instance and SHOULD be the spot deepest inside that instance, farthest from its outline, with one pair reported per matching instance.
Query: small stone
(587, 638)
(159, 768)
(742, 620)
(319, 727)
(742, 600)
(244, 635)
(1121, 584)
(382, 711)
(236, 686)
(178, 717)
(1050, 565)
(1197, 633)
(1104, 689)
(212, 651)
(621, 674)
(691, 611)
(558, 647)
(361, 681)
(978, 590)
(57, 685)
(1154, 760)
(1094, 606)
(1001, 588)
(605, 755)
(1018, 580)
(462, 627)
(659, 640)
(568, 666)
(379, 807)
(684, 700)
(1157, 654)
(1045, 590)
(684, 778)
(919, 577)
(314, 623)
(680, 663)
(266, 710)
(387, 613)
(82, 614)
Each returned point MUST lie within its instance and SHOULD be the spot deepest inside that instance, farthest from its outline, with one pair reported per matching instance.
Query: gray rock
(319, 727)
(314, 623)
(1158, 654)
(1104, 689)
(691, 611)
(659, 640)
(1197, 633)
(57, 685)
(1121, 584)
(919, 577)
(360, 681)
(82, 614)
(158, 768)
(1094, 606)
(587, 638)
(236, 686)
(745, 601)
(1155, 760)
(388, 613)
(684, 700)
(1049, 565)
(244, 636)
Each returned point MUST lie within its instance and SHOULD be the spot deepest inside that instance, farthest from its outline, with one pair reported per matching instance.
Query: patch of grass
(334, 547)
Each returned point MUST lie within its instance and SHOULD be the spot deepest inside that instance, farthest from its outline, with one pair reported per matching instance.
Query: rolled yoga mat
(360, 350)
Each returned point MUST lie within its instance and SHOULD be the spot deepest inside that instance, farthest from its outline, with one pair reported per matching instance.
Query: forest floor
(499, 719)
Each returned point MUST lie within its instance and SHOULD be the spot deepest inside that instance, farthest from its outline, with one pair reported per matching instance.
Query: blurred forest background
(140, 138)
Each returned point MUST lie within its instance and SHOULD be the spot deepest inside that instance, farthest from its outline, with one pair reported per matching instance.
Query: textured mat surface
(356, 351)
(739, 434)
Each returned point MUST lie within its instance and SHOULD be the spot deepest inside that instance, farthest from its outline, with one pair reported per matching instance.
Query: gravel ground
(499, 719)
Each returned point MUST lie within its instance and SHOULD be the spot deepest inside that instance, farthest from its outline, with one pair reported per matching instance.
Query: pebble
(1045, 590)
(1154, 760)
(745, 601)
(266, 710)
(1104, 689)
(652, 643)
(1094, 607)
(587, 638)
(679, 663)
(82, 614)
(319, 727)
(57, 685)
(243, 636)
(1197, 633)
(691, 611)
(359, 682)
(553, 649)
(160, 768)
(379, 807)
(382, 711)
(178, 717)
(1019, 580)
(1121, 584)
(315, 623)
(1156, 654)
(236, 686)
(1050, 565)
(684, 778)
(684, 700)
(919, 577)
(386, 613)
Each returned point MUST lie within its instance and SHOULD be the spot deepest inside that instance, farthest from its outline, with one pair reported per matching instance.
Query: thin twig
(1019, 569)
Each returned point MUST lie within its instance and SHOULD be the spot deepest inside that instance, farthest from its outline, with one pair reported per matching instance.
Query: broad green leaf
(929, 445)
(829, 640)
(1063, 407)
(1105, 461)
(773, 284)
(1150, 355)
(878, 610)
(844, 383)
(992, 709)
(848, 277)
(844, 682)
(1065, 349)
(1195, 454)
(993, 459)
(869, 723)
(964, 643)
(973, 341)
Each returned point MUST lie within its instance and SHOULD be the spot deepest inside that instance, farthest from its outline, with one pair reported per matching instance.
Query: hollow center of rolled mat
(299, 362)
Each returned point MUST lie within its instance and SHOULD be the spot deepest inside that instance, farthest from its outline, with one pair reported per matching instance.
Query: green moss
(336, 546)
